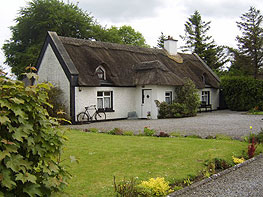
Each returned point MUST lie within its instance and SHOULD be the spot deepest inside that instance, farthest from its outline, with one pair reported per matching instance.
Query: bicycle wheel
(82, 117)
(100, 116)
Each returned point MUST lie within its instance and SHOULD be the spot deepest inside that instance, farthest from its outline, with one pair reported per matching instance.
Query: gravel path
(235, 124)
(245, 181)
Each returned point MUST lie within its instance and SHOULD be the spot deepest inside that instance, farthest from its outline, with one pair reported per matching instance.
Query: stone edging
(213, 177)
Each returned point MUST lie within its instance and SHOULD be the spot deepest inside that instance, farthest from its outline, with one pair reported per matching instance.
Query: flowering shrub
(252, 148)
(155, 187)
(238, 160)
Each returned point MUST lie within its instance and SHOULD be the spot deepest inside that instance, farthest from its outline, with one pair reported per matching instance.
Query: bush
(128, 133)
(242, 93)
(58, 109)
(163, 134)
(148, 132)
(185, 104)
(155, 187)
(126, 188)
(116, 131)
(30, 142)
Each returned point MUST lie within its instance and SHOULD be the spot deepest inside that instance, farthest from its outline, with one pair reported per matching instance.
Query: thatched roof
(127, 65)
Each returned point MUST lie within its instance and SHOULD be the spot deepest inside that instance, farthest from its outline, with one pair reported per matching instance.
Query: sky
(150, 17)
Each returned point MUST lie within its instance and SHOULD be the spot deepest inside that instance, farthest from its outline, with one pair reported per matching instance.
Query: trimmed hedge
(242, 93)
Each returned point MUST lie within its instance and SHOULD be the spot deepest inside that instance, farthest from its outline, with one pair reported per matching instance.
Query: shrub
(237, 160)
(58, 109)
(148, 132)
(155, 187)
(116, 131)
(252, 148)
(185, 104)
(242, 93)
(126, 188)
(30, 141)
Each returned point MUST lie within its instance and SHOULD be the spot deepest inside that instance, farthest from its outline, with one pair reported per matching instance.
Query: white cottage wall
(51, 71)
(214, 97)
(123, 100)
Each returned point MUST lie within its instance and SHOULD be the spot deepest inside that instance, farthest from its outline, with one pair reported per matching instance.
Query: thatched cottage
(121, 78)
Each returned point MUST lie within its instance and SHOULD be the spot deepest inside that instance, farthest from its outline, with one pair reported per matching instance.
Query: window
(105, 100)
(100, 71)
(168, 97)
(206, 97)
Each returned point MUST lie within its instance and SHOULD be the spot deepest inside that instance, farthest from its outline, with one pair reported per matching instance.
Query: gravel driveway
(235, 124)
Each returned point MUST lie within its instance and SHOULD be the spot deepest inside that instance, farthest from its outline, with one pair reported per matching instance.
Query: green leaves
(29, 141)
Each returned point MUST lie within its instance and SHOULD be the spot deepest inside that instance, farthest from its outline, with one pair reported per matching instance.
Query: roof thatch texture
(127, 65)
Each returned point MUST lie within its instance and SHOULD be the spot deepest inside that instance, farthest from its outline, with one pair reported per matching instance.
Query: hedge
(242, 93)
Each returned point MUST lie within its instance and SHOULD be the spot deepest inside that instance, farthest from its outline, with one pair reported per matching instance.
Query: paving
(245, 181)
(235, 124)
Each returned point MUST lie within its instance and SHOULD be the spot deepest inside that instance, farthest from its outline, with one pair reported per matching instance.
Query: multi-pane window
(104, 100)
(206, 97)
(168, 97)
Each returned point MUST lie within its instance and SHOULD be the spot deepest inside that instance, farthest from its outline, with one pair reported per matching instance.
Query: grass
(256, 113)
(103, 156)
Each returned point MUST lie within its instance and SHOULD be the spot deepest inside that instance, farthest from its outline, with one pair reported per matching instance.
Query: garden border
(214, 177)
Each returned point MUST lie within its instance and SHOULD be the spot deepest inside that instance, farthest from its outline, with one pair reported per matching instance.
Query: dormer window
(100, 71)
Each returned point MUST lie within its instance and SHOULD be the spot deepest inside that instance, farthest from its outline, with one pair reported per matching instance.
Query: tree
(33, 22)
(160, 41)
(40, 16)
(250, 44)
(198, 42)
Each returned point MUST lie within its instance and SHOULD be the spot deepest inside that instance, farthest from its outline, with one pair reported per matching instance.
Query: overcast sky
(150, 17)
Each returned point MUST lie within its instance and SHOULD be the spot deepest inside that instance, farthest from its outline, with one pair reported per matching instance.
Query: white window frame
(103, 99)
(170, 96)
(206, 97)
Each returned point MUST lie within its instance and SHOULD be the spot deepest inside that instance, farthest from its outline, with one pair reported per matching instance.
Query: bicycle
(86, 117)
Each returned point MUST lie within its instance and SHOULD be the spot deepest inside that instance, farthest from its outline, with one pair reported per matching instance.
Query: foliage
(40, 16)
(58, 108)
(223, 137)
(175, 134)
(116, 131)
(148, 132)
(126, 188)
(252, 148)
(33, 22)
(250, 44)
(30, 141)
(160, 41)
(185, 104)
(155, 187)
(237, 160)
(242, 93)
(197, 41)
(215, 165)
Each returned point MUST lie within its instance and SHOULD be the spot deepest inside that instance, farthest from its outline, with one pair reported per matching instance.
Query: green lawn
(103, 156)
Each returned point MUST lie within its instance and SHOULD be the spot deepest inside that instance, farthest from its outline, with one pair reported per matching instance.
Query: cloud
(121, 10)
(217, 8)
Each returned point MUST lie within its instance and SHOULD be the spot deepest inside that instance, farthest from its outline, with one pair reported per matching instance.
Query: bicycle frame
(89, 108)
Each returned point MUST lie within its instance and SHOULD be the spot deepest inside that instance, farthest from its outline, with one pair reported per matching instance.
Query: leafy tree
(160, 41)
(250, 44)
(40, 16)
(197, 41)
(33, 22)
(30, 142)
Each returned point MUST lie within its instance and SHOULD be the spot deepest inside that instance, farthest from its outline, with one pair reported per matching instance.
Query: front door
(146, 102)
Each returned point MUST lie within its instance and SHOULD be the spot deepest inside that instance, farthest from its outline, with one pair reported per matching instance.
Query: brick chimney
(170, 45)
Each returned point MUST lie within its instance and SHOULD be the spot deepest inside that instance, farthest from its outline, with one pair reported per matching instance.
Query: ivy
(30, 141)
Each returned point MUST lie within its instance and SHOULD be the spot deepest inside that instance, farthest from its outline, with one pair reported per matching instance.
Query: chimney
(170, 45)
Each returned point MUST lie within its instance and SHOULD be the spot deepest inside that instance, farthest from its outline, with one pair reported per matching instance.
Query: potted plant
(149, 115)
